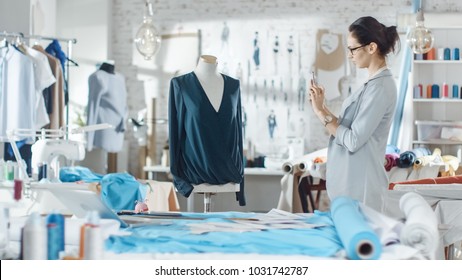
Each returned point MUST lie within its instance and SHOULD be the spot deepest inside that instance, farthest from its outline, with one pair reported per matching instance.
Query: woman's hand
(317, 97)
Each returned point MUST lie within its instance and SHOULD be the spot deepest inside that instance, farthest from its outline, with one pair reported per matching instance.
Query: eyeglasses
(352, 50)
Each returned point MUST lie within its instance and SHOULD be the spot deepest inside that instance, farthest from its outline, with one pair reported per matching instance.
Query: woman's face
(357, 53)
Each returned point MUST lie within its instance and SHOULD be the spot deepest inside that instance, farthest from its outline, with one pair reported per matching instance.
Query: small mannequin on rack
(107, 103)
(205, 131)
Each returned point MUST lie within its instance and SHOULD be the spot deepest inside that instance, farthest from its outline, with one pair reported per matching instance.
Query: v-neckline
(207, 97)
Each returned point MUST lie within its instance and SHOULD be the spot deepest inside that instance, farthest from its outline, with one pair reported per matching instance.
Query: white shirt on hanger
(43, 79)
(17, 94)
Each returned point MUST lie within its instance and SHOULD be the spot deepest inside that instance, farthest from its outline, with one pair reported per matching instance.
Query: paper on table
(275, 219)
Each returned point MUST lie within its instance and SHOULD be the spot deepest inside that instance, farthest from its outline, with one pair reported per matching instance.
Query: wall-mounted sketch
(272, 123)
(256, 51)
(330, 60)
(276, 54)
(225, 37)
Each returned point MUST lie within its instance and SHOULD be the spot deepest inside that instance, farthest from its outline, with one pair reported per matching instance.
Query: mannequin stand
(209, 190)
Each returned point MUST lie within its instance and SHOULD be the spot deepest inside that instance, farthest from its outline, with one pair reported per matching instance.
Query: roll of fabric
(304, 162)
(392, 149)
(429, 160)
(358, 238)
(390, 161)
(408, 158)
(420, 229)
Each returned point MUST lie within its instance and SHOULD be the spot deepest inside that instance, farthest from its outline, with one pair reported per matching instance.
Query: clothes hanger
(72, 61)
(3, 43)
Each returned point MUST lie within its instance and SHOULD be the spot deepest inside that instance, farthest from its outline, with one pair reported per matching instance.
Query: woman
(359, 134)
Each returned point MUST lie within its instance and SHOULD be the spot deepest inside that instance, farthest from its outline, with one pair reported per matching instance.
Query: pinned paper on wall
(330, 62)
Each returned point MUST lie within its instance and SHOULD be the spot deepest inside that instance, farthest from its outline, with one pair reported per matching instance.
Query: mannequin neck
(211, 81)
(206, 67)
(107, 68)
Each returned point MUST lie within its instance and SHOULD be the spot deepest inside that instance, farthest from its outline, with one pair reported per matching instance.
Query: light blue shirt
(355, 165)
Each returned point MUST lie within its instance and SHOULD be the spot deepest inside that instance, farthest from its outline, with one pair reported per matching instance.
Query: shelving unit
(427, 112)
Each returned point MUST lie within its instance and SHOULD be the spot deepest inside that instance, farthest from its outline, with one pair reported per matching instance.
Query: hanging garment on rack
(54, 93)
(43, 79)
(54, 48)
(18, 97)
(107, 103)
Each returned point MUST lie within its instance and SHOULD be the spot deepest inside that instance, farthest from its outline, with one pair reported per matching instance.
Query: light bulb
(420, 39)
(147, 39)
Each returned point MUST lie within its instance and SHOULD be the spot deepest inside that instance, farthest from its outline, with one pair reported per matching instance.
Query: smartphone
(313, 78)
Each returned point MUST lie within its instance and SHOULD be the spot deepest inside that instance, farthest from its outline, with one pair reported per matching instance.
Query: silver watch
(328, 119)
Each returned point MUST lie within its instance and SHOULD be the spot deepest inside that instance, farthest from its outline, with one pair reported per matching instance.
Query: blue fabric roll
(358, 238)
(392, 149)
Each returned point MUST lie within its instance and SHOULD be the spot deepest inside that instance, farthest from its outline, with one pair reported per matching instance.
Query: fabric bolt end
(358, 238)
(420, 230)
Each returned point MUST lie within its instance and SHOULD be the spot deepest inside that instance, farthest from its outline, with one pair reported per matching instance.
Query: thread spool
(9, 171)
(53, 241)
(445, 91)
(91, 239)
(34, 238)
(455, 91)
(456, 54)
(447, 54)
(93, 243)
(431, 54)
(17, 193)
(429, 91)
(56, 230)
(42, 171)
(435, 91)
(440, 53)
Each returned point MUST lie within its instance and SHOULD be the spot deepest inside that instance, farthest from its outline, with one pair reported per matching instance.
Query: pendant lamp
(147, 39)
(420, 39)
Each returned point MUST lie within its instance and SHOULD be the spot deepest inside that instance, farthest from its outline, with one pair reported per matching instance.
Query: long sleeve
(375, 108)
(94, 97)
(240, 195)
(176, 138)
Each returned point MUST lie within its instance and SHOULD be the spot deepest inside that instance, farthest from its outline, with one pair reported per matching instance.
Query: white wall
(15, 16)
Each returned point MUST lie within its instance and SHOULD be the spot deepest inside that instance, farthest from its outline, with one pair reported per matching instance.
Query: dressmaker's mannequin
(211, 81)
(205, 132)
(213, 84)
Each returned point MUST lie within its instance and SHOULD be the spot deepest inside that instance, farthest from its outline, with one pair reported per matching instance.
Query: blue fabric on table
(121, 191)
(78, 173)
(177, 238)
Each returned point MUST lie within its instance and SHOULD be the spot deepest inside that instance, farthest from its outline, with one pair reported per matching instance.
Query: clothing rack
(70, 43)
